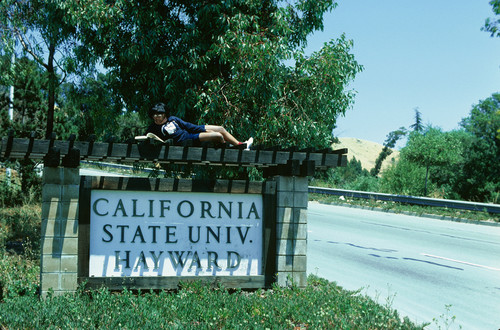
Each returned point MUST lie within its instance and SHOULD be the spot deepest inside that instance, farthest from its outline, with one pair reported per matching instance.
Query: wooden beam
(167, 153)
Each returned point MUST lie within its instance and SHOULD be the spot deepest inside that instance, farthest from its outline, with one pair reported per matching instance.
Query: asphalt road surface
(95, 172)
(426, 269)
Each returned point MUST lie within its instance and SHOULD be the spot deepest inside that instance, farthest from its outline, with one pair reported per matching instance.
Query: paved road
(95, 172)
(419, 265)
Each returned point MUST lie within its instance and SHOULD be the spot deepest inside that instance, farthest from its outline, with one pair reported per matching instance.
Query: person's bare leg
(226, 135)
(211, 136)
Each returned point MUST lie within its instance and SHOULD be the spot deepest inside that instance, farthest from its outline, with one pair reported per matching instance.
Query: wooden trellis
(291, 161)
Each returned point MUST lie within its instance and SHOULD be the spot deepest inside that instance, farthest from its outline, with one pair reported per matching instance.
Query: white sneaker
(249, 143)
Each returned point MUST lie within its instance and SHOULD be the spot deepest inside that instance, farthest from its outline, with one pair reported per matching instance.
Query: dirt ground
(366, 152)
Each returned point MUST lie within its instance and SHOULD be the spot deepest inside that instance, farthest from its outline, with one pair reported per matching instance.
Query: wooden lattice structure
(273, 159)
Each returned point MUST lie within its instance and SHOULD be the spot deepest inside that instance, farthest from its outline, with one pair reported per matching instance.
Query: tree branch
(28, 49)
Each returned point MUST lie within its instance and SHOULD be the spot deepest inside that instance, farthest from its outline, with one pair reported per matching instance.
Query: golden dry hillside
(365, 151)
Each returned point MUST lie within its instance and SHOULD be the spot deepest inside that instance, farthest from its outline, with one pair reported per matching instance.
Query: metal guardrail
(463, 205)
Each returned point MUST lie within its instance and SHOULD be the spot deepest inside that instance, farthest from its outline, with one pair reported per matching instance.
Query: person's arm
(190, 127)
(155, 129)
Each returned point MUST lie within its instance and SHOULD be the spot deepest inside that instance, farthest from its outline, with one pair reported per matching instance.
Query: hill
(365, 151)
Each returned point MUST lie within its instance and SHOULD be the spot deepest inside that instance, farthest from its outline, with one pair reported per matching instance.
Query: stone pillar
(291, 230)
(59, 241)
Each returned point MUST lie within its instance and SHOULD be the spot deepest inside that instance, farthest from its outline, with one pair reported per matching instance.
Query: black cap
(158, 108)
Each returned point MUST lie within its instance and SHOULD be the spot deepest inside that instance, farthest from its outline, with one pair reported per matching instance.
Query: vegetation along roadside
(417, 210)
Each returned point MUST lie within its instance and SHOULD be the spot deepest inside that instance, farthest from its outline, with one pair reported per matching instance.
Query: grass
(406, 208)
(321, 304)
(19, 250)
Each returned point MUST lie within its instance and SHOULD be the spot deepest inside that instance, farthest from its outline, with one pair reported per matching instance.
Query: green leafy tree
(224, 63)
(492, 24)
(42, 29)
(404, 178)
(364, 183)
(448, 178)
(94, 106)
(433, 148)
(342, 176)
(30, 86)
(498, 130)
(389, 144)
(351, 176)
(128, 125)
(418, 126)
(481, 179)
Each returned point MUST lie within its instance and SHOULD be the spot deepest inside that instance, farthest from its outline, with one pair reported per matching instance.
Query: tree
(42, 29)
(433, 148)
(492, 24)
(448, 178)
(418, 126)
(351, 176)
(30, 86)
(224, 63)
(492, 27)
(389, 144)
(498, 130)
(94, 105)
(482, 161)
(404, 178)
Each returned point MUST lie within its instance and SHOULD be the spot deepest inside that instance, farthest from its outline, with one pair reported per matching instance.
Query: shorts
(193, 134)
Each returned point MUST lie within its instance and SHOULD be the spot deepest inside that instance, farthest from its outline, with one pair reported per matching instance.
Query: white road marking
(459, 261)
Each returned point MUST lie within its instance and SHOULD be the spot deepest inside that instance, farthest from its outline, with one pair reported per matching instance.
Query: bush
(19, 276)
(364, 183)
(24, 185)
(19, 250)
(405, 178)
(21, 224)
(342, 177)
(10, 193)
(321, 304)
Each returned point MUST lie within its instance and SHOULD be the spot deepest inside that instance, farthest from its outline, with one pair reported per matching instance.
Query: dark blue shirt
(177, 130)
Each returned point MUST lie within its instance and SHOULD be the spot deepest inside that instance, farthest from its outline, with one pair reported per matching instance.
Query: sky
(426, 54)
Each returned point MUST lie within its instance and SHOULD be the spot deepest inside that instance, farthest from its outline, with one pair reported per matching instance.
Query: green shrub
(24, 185)
(405, 178)
(321, 304)
(341, 177)
(364, 183)
(19, 276)
(10, 193)
(21, 224)
(19, 250)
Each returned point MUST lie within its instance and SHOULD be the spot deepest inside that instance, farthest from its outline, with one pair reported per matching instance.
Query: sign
(151, 233)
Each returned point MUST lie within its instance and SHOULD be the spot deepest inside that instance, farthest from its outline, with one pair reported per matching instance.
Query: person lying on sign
(166, 127)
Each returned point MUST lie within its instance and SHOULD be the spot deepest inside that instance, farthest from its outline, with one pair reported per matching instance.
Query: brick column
(291, 230)
(59, 242)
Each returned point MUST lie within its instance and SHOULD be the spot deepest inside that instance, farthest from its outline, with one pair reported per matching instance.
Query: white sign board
(150, 233)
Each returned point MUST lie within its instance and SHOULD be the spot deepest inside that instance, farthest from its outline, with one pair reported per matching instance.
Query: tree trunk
(426, 176)
(52, 92)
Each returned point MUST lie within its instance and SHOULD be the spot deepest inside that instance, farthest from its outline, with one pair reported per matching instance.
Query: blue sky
(429, 54)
